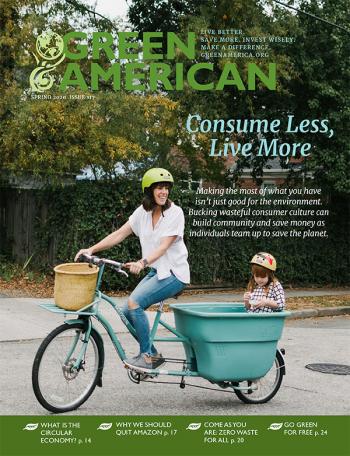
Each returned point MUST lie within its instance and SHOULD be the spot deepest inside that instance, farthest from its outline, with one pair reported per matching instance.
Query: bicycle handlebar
(98, 261)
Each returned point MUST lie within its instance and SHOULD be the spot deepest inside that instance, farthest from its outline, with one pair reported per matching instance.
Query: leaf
(31, 427)
(275, 426)
(194, 426)
(105, 426)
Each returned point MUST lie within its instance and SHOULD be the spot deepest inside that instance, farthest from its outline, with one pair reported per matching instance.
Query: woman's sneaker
(139, 364)
(157, 360)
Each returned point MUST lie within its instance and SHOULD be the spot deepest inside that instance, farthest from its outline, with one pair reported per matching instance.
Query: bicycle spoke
(264, 388)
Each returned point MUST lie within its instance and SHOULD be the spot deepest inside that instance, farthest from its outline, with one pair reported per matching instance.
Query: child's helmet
(265, 260)
(155, 175)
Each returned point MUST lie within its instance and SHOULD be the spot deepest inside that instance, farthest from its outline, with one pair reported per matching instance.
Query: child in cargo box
(265, 293)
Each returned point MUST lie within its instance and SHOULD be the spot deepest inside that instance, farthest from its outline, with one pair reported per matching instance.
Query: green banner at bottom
(175, 435)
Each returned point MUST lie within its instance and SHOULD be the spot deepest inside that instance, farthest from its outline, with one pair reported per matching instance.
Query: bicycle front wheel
(265, 388)
(58, 384)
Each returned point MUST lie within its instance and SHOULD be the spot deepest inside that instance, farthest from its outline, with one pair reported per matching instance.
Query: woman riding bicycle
(159, 224)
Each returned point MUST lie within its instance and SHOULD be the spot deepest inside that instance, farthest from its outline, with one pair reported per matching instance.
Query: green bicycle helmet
(154, 175)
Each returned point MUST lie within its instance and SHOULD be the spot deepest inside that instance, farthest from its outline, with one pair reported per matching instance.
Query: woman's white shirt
(171, 223)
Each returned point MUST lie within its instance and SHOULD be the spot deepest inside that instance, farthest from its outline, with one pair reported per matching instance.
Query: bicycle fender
(283, 368)
(99, 382)
(84, 322)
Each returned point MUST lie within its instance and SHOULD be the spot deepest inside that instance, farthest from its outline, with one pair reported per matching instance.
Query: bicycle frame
(251, 383)
(92, 310)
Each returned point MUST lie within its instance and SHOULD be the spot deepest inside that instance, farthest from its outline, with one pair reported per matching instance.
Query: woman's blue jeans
(149, 291)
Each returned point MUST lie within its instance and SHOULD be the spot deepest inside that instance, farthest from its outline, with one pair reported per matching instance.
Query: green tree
(313, 81)
(162, 16)
(52, 138)
(254, 20)
(110, 132)
(322, 88)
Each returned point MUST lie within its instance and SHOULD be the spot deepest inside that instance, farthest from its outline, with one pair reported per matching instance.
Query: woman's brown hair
(260, 271)
(148, 201)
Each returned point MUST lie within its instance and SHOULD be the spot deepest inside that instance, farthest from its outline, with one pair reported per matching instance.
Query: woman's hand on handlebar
(83, 252)
(135, 267)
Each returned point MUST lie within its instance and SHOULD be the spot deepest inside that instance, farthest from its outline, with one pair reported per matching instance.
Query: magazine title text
(137, 65)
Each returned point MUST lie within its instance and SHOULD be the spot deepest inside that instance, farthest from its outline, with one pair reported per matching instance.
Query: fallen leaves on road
(314, 302)
(23, 287)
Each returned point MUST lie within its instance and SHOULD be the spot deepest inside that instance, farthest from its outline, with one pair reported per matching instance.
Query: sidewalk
(23, 318)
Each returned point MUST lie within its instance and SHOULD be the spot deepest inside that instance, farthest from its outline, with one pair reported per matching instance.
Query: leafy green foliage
(80, 215)
(8, 270)
(164, 15)
(51, 138)
(313, 79)
(311, 261)
(322, 88)
(48, 138)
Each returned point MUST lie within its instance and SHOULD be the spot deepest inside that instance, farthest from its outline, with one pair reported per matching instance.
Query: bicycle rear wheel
(58, 386)
(265, 388)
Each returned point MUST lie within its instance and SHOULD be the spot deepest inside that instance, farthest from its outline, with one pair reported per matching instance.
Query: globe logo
(49, 45)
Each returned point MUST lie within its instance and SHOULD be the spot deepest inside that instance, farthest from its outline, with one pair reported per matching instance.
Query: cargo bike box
(229, 343)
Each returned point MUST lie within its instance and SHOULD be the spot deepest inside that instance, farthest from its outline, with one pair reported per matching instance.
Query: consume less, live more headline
(267, 140)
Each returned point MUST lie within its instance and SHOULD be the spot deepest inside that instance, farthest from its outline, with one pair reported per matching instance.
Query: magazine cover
(174, 227)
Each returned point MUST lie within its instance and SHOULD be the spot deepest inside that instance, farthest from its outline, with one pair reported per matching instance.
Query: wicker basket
(75, 285)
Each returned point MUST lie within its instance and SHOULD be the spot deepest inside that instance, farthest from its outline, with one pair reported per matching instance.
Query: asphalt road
(303, 392)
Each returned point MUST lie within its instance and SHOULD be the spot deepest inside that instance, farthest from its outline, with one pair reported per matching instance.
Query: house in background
(273, 174)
